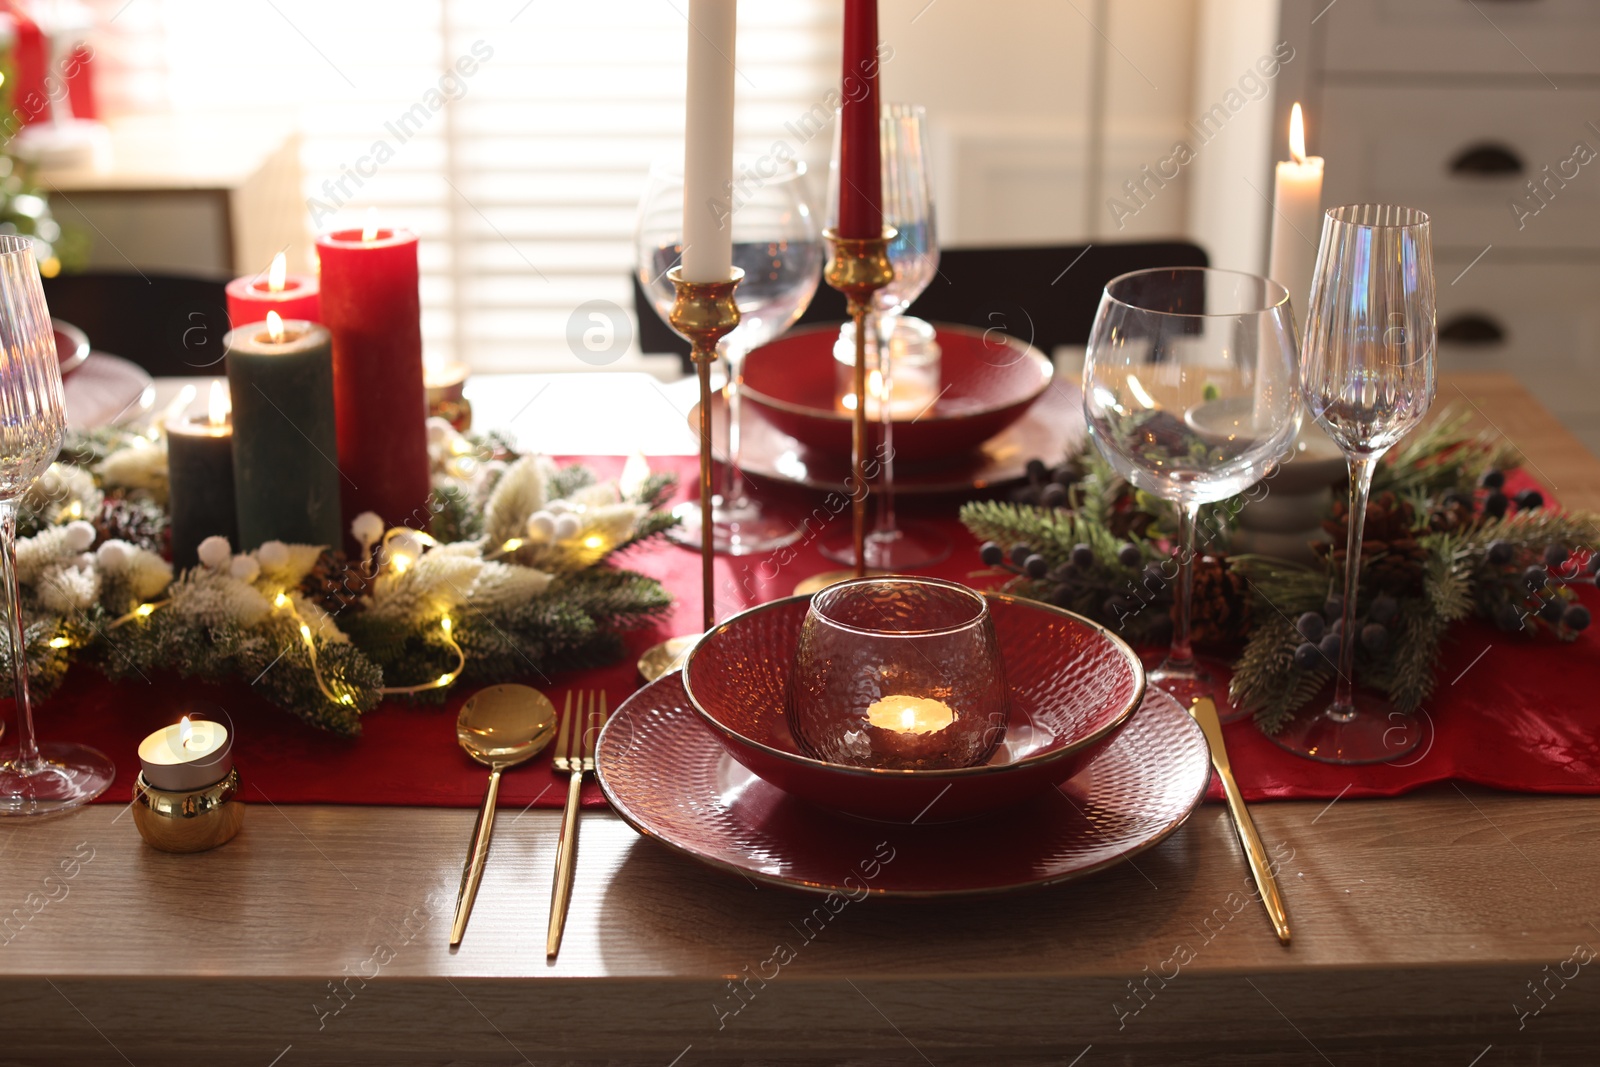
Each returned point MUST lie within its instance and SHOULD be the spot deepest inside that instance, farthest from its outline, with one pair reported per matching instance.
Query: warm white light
(1297, 134)
(277, 273)
(445, 624)
(1139, 393)
(369, 231)
(275, 326)
(218, 406)
(185, 731)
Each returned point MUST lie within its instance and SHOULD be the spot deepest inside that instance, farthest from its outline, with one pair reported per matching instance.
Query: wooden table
(1422, 926)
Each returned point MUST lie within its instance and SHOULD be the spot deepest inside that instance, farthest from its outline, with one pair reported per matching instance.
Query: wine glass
(35, 778)
(777, 241)
(1368, 378)
(1190, 393)
(914, 254)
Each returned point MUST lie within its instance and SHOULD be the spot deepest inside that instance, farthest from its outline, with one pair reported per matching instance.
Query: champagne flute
(1368, 375)
(914, 254)
(35, 778)
(1189, 390)
(777, 242)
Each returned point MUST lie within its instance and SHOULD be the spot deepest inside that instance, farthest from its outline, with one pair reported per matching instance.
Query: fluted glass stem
(885, 530)
(1181, 656)
(27, 761)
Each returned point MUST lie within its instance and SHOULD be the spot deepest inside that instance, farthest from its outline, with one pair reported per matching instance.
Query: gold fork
(574, 755)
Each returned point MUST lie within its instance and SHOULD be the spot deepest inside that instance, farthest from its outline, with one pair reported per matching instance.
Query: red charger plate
(988, 380)
(1073, 684)
(667, 776)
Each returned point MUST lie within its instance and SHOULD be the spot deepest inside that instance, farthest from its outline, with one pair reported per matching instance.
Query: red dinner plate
(665, 773)
(988, 379)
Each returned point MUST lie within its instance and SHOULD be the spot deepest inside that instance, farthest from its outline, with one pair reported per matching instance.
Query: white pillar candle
(187, 755)
(1296, 218)
(708, 143)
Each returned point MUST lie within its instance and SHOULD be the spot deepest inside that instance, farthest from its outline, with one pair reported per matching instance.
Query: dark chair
(1046, 295)
(167, 324)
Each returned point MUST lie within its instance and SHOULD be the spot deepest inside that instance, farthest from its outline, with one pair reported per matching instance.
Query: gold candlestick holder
(703, 313)
(859, 267)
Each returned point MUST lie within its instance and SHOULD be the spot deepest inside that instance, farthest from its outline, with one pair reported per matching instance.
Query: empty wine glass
(1190, 393)
(35, 778)
(914, 254)
(1368, 377)
(778, 243)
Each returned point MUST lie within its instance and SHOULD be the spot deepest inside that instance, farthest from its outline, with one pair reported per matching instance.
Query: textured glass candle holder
(898, 673)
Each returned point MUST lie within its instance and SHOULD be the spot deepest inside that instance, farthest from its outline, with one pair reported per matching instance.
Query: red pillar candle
(292, 296)
(860, 168)
(370, 305)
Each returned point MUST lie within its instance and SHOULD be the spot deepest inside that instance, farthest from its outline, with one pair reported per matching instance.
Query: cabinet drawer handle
(1472, 328)
(1486, 160)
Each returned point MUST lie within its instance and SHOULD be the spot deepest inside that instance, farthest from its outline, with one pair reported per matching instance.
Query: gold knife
(1205, 713)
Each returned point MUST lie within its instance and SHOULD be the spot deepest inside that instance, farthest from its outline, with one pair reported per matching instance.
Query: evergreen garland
(514, 578)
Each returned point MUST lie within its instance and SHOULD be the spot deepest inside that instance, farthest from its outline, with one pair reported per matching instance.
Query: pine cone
(136, 521)
(334, 583)
(1221, 611)
(1391, 559)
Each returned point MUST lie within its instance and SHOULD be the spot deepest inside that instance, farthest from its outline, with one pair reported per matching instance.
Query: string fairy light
(446, 628)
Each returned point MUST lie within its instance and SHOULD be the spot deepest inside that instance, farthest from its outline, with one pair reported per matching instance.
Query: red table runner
(1510, 712)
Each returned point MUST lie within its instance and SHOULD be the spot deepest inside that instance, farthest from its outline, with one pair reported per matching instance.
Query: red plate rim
(1041, 362)
(1037, 759)
(626, 814)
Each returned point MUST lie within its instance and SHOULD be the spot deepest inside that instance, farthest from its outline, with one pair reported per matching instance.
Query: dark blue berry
(1154, 578)
(1456, 496)
(991, 553)
(1576, 617)
(1374, 637)
(1333, 607)
(1383, 608)
(1065, 476)
(1082, 556)
(1053, 496)
(1330, 647)
(1028, 494)
(1494, 505)
(1129, 555)
(1500, 552)
(1593, 566)
(1530, 499)
(1508, 618)
(1308, 657)
(1555, 555)
(1552, 610)
(1020, 553)
(1492, 479)
(1037, 471)
(1535, 576)
(1036, 566)
(1310, 626)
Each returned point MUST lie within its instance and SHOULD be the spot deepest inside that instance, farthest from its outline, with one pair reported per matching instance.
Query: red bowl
(989, 379)
(72, 346)
(1073, 686)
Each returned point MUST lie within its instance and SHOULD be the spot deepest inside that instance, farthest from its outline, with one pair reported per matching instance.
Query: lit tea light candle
(187, 756)
(910, 715)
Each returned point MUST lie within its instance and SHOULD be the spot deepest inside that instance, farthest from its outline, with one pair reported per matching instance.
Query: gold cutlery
(500, 727)
(580, 729)
(1205, 713)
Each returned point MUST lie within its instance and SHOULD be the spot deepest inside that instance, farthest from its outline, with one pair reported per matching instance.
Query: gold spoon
(499, 727)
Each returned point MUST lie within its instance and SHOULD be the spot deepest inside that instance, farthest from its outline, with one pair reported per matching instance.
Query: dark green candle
(200, 480)
(285, 442)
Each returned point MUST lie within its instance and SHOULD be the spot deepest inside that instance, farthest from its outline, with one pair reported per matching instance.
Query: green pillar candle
(200, 480)
(285, 442)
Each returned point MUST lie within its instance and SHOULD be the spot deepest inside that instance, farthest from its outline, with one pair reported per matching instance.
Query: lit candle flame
(275, 326)
(185, 731)
(218, 405)
(1297, 134)
(369, 231)
(277, 273)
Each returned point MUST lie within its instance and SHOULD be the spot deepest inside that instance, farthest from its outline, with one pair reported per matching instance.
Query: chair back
(167, 324)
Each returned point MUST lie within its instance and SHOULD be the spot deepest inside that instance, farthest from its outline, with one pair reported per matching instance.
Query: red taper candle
(292, 296)
(860, 168)
(370, 305)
